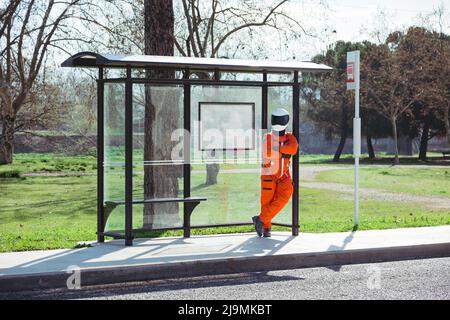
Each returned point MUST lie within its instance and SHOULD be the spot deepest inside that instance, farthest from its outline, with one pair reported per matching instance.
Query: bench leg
(188, 209)
(106, 212)
(129, 242)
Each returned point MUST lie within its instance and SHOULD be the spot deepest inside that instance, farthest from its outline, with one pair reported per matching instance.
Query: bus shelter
(164, 128)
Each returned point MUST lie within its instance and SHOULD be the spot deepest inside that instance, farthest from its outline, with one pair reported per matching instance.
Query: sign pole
(353, 83)
(357, 151)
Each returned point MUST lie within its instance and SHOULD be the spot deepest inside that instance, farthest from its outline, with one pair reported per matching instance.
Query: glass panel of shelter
(229, 175)
(114, 153)
(158, 147)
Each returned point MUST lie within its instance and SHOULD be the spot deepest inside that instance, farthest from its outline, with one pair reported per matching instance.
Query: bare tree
(28, 29)
(226, 28)
(161, 117)
(199, 29)
(205, 28)
(211, 28)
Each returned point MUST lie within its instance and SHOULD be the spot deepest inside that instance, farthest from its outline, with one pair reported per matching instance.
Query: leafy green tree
(331, 104)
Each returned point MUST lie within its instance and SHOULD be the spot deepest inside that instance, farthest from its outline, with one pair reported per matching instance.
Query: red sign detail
(351, 72)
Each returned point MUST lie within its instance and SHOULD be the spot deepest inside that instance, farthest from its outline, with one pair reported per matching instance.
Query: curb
(135, 273)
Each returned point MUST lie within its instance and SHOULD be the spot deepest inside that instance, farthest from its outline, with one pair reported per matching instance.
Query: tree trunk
(338, 153)
(344, 135)
(424, 139)
(370, 149)
(7, 140)
(212, 171)
(447, 122)
(8, 127)
(395, 136)
(161, 119)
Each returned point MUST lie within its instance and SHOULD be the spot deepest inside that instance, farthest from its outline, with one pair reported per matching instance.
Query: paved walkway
(168, 251)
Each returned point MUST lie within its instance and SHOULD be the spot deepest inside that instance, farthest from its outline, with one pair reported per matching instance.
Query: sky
(352, 16)
(355, 20)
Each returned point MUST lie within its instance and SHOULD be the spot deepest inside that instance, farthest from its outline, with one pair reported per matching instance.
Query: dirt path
(432, 202)
(308, 173)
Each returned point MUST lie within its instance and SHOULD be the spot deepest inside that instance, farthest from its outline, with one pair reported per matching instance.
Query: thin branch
(247, 25)
(190, 28)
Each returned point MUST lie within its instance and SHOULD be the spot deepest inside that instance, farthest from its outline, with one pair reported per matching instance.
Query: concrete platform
(151, 259)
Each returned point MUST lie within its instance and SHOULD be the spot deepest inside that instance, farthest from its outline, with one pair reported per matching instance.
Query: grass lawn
(44, 213)
(434, 159)
(419, 181)
(37, 162)
(57, 212)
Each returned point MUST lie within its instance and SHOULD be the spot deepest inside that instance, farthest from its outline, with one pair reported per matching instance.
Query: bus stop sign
(352, 69)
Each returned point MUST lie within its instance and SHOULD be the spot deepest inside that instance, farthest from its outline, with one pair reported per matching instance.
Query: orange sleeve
(290, 146)
(266, 150)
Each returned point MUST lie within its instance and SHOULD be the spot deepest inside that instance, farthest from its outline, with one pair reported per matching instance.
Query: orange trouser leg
(275, 194)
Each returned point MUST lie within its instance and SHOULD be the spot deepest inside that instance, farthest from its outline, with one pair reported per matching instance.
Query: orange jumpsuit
(276, 182)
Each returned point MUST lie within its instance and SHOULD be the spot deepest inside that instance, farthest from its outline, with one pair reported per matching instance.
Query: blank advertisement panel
(227, 126)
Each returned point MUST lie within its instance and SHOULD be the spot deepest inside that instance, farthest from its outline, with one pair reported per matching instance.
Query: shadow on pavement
(155, 251)
(346, 241)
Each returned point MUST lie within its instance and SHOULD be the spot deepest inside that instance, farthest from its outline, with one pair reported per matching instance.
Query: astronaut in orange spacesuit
(277, 188)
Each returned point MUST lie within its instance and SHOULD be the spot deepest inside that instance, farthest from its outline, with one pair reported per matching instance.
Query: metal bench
(189, 204)
(445, 153)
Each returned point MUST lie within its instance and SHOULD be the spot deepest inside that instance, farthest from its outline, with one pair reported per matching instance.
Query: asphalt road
(420, 279)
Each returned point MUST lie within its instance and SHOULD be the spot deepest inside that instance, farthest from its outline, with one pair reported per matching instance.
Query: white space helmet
(280, 120)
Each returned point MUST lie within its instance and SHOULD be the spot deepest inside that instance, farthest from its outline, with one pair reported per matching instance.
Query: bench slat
(161, 200)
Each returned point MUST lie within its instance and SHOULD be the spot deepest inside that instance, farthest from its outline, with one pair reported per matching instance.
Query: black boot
(258, 225)
(267, 233)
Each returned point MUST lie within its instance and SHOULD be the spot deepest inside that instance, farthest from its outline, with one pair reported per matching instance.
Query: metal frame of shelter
(188, 66)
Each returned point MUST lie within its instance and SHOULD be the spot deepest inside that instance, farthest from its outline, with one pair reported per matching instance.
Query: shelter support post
(187, 208)
(128, 159)
(100, 158)
(296, 164)
(265, 103)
